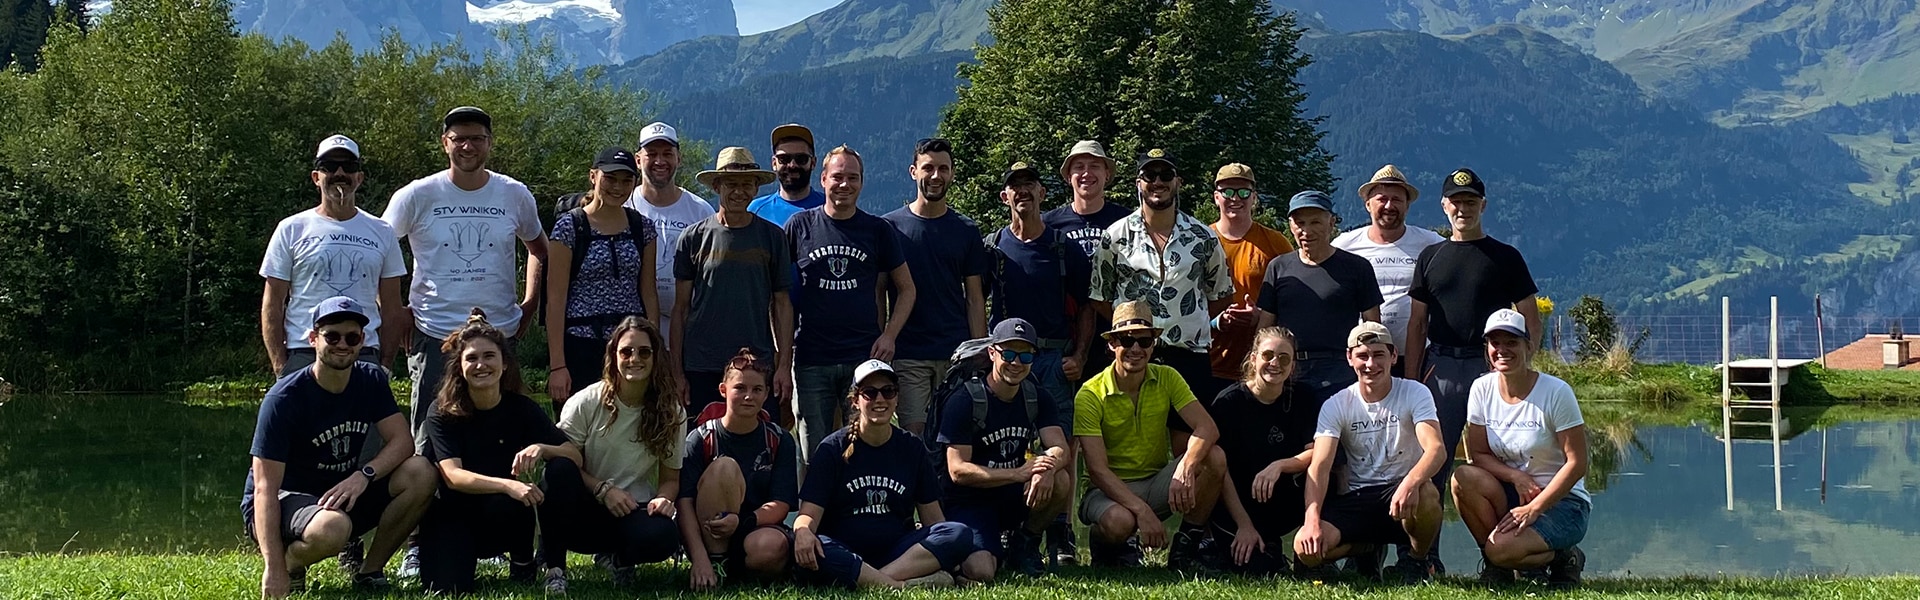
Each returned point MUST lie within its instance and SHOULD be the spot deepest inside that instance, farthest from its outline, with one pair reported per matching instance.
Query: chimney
(1895, 352)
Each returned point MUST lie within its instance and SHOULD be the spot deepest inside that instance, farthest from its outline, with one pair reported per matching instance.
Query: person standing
(943, 250)
(608, 276)
(1038, 274)
(1087, 170)
(1392, 247)
(334, 249)
(1318, 292)
(793, 161)
(841, 253)
(734, 271)
(671, 208)
(1249, 246)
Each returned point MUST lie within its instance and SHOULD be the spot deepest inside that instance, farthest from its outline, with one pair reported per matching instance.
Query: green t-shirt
(1136, 435)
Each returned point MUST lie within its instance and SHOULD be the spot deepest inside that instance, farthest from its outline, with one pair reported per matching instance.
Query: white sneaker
(409, 565)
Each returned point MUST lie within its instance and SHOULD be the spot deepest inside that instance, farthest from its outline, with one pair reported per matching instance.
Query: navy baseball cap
(337, 309)
(1310, 199)
(466, 114)
(1014, 330)
(615, 159)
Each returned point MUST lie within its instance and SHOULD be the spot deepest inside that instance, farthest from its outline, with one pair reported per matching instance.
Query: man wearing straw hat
(1391, 246)
(1120, 418)
(733, 270)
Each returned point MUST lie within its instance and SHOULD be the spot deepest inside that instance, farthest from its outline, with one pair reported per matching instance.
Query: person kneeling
(1523, 494)
(863, 486)
(1391, 437)
(629, 427)
(1266, 431)
(738, 482)
(488, 438)
(988, 428)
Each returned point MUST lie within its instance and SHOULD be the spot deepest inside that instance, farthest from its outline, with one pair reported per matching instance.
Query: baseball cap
(466, 114)
(1463, 180)
(336, 309)
(1310, 199)
(337, 142)
(792, 130)
(1017, 172)
(1369, 332)
(615, 159)
(870, 367)
(659, 131)
(1508, 320)
(1234, 171)
(1156, 155)
(1014, 330)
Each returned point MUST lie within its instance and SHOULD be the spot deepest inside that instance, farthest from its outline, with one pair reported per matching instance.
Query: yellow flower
(1543, 304)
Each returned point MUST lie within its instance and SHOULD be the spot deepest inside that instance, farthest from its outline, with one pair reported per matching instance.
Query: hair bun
(477, 316)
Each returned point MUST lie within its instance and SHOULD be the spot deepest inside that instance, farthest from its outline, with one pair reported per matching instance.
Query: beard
(927, 192)
(338, 363)
(1158, 203)
(794, 179)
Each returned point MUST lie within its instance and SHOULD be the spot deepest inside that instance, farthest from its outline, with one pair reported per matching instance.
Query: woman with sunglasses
(864, 484)
(1266, 431)
(629, 427)
(739, 480)
(600, 272)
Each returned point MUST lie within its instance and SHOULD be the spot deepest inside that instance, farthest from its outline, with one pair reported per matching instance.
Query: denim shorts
(1563, 525)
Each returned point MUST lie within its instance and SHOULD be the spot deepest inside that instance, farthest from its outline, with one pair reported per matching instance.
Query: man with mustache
(671, 208)
(1249, 246)
(1391, 246)
(1319, 292)
(793, 161)
(735, 273)
(943, 249)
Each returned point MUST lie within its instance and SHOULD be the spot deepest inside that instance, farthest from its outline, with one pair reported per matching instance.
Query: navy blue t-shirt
(486, 440)
(839, 263)
(870, 501)
(319, 434)
(942, 253)
(1038, 281)
(1085, 229)
(771, 473)
(1002, 444)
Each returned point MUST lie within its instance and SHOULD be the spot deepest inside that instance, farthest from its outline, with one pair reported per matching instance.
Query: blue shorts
(1563, 525)
(990, 521)
(950, 543)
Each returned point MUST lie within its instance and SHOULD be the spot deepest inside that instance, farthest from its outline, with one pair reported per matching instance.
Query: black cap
(1155, 155)
(1019, 172)
(466, 114)
(615, 159)
(1463, 180)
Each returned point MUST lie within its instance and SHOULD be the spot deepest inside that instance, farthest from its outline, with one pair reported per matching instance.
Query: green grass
(235, 575)
(1672, 385)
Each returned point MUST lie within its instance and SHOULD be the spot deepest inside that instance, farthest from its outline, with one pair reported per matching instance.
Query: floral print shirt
(1177, 282)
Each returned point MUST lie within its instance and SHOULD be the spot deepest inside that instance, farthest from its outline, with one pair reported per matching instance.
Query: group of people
(947, 389)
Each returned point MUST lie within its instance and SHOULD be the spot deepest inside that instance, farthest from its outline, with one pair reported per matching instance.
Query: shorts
(990, 521)
(1363, 516)
(950, 543)
(1563, 525)
(1155, 490)
(736, 556)
(297, 510)
(918, 379)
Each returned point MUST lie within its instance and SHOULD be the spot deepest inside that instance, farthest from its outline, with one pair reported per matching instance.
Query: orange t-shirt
(1247, 260)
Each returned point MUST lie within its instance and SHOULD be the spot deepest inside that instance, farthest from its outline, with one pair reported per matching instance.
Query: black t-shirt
(318, 434)
(1462, 283)
(1320, 303)
(486, 440)
(771, 474)
(870, 500)
(1254, 434)
(1003, 445)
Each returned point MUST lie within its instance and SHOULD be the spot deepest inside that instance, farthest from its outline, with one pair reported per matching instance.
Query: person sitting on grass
(1266, 431)
(489, 440)
(1120, 417)
(628, 427)
(1387, 430)
(986, 426)
(307, 492)
(738, 481)
(1523, 492)
(863, 486)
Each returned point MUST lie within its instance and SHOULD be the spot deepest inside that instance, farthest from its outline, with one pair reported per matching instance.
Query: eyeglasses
(333, 338)
(1284, 358)
(796, 158)
(462, 140)
(329, 166)
(1025, 358)
(1143, 341)
(889, 392)
(1156, 176)
(1241, 193)
(645, 352)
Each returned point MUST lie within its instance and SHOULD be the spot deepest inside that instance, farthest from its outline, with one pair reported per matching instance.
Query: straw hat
(1389, 175)
(734, 160)
(1136, 315)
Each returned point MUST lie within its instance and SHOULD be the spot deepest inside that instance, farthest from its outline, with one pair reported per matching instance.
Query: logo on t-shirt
(876, 490)
(342, 271)
(469, 240)
(1375, 425)
(338, 442)
(839, 263)
(1275, 435)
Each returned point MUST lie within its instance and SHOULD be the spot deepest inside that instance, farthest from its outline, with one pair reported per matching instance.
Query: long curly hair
(454, 398)
(660, 414)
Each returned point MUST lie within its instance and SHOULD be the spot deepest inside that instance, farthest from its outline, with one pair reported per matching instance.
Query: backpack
(708, 426)
(582, 232)
(969, 365)
(1056, 240)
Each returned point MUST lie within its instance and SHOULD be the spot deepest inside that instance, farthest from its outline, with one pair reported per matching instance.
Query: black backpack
(969, 365)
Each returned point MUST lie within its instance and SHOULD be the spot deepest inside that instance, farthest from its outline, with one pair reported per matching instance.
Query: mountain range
(587, 31)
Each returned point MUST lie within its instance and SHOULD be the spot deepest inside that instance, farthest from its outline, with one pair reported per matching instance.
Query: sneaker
(1065, 549)
(555, 582)
(352, 557)
(1324, 572)
(1369, 560)
(1496, 576)
(1122, 556)
(372, 583)
(937, 579)
(719, 562)
(1564, 572)
(1023, 553)
(1185, 553)
(1402, 551)
(1415, 570)
(296, 580)
(409, 564)
(523, 572)
(1533, 576)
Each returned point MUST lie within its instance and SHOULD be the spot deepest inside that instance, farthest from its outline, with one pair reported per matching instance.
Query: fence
(1695, 339)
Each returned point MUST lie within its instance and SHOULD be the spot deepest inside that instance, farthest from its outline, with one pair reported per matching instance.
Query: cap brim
(612, 168)
(1112, 332)
(760, 177)
(341, 315)
(1506, 328)
(1149, 162)
(1455, 191)
(658, 138)
(786, 131)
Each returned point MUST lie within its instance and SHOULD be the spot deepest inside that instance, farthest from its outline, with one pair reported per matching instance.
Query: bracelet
(600, 491)
(556, 369)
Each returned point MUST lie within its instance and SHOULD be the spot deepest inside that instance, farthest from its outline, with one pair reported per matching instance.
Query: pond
(162, 474)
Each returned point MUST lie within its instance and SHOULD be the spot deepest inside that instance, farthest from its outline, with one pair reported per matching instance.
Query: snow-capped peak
(588, 15)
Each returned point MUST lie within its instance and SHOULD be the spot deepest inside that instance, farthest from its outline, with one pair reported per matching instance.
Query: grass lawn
(236, 575)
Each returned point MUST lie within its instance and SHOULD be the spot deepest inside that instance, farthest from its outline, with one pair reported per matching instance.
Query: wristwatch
(369, 472)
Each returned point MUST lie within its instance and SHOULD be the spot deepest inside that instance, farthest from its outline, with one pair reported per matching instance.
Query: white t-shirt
(321, 258)
(1393, 269)
(1525, 434)
(464, 248)
(613, 450)
(668, 223)
(1377, 437)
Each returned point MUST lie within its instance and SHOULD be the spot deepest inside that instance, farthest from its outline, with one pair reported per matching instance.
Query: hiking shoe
(352, 557)
(1415, 570)
(1369, 560)
(524, 572)
(1324, 572)
(1565, 570)
(555, 582)
(937, 579)
(1534, 576)
(1403, 552)
(296, 580)
(1123, 556)
(409, 564)
(1062, 545)
(1023, 553)
(1189, 550)
(371, 583)
(1496, 576)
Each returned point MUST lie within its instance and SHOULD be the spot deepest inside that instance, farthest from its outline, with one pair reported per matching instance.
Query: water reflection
(158, 474)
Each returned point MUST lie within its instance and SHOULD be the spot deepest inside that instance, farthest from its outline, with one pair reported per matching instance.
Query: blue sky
(762, 15)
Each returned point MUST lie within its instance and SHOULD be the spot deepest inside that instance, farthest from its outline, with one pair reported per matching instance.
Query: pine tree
(1211, 81)
(23, 30)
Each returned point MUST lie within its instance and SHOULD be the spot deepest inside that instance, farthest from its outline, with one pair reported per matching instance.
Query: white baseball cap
(1506, 319)
(659, 131)
(337, 142)
(868, 368)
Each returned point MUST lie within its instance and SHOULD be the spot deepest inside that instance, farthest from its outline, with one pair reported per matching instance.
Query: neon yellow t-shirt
(1136, 435)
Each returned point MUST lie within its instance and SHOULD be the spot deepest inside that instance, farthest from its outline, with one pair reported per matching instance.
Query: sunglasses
(889, 392)
(1284, 358)
(639, 351)
(1025, 358)
(329, 166)
(1157, 176)
(333, 338)
(797, 158)
(1241, 193)
(743, 363)
(1142, 341)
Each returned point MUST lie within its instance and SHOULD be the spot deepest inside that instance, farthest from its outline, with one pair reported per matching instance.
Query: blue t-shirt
(1085, 229)
(319, 434)
(778, 210)
(870, 500)
(1002, 444)
(1039, 281)
(839, 263)
(942, 253)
